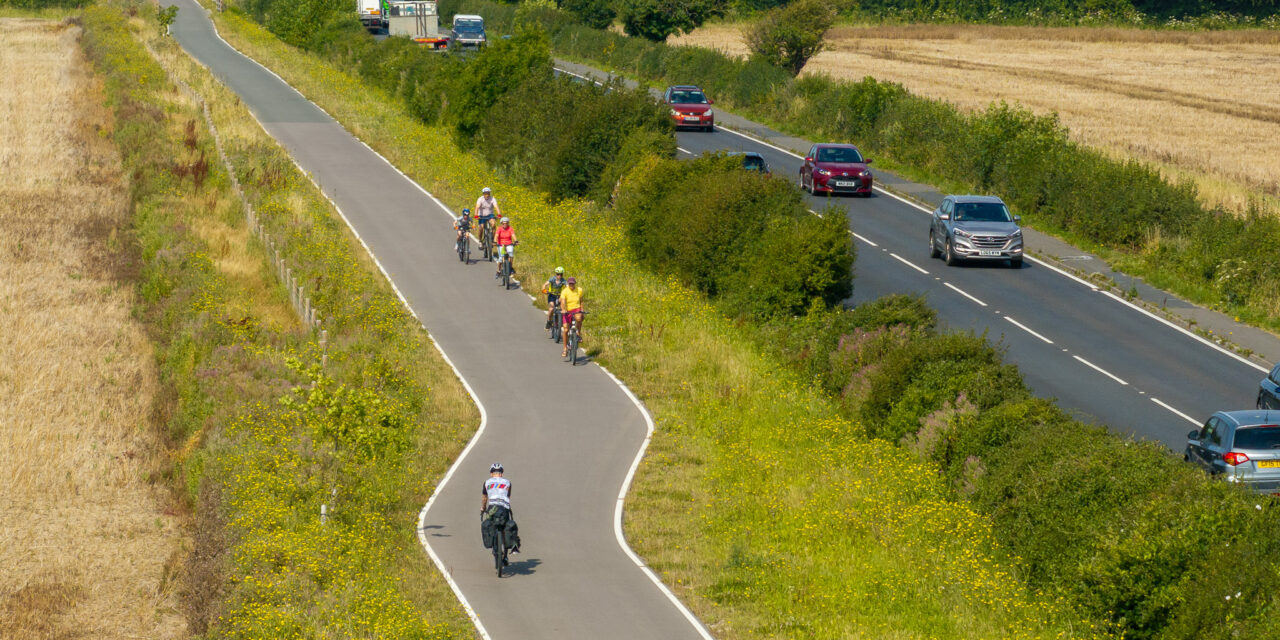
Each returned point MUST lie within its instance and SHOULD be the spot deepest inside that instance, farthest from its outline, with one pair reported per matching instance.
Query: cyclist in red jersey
(504, 239)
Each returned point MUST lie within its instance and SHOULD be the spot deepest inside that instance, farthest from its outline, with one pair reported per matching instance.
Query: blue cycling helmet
(466, 210)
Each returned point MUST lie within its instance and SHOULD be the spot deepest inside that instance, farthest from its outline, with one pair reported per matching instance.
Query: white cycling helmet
(505, 219)
(486, 190)
(495, 467)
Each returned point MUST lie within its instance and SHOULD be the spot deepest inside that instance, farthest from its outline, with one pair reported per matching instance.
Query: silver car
(975, 228)
(1241, 446)
(1269, 390)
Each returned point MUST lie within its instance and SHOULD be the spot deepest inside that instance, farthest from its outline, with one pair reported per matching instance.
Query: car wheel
(950, 256)
(933, 247)
(1015, 263)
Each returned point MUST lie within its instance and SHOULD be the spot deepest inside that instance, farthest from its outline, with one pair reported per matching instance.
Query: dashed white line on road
(964, 293)
(1100, 370)
(907, 262)
(865, 240)
(683, 150)
(1184, 416)
(1028, 329)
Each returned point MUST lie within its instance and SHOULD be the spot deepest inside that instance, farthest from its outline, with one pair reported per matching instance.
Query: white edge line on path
(967, 295)
(908, 263)
(1184, 416)
(1027, 329)
(618, 510)
(622, 542)
(1100, 370)
(864, 239)
(683, 150)
(1046, 265)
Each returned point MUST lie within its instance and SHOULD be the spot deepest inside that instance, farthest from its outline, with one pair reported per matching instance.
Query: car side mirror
(808, 159)
(944, 216)
(866, 161)
(710, 101)
(1017, 218)
(1194, 435)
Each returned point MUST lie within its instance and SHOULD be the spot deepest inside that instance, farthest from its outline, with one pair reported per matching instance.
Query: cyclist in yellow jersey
(571, 299)
(552, 289)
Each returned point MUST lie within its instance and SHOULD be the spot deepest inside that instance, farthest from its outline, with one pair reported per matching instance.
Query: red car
(835, 168)
(690, 107)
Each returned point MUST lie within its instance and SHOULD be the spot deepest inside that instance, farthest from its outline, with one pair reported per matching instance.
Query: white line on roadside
(1100, 370)
(1184, 416)
(683, 150)
(963, 293)
(1027, 329)
(907, 262)
(1187, 332)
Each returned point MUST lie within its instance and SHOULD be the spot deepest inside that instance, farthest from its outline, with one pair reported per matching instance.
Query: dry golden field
(87, 544)
(1200, 105)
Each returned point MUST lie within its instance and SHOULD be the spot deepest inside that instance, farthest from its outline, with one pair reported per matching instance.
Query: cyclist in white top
(497, 490)
(487, 209)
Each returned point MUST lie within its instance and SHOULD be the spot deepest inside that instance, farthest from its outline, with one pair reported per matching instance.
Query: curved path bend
(575, 578)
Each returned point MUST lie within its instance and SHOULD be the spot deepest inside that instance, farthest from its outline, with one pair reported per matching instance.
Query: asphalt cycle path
(568, 436)
(1104, 359)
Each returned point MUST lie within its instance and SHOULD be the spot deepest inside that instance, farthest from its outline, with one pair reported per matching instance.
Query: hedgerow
(266, 424)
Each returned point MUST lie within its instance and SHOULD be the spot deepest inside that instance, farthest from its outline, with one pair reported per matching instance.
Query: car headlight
(865, 173)
(709, 113)
(823, 172)
(1017, 233)
(675, 113)
(963, 234)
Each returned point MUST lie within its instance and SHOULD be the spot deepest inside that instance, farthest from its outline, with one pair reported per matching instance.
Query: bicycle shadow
(526, 567)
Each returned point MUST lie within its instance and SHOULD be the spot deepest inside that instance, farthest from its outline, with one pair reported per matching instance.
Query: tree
(790, 35)
(656, 19)
(597, 14)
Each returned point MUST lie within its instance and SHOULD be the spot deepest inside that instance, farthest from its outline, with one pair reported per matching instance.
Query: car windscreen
(472, 26)
(1260, 437)
(838, 154)
(688, 97)
(753, 163)
(982, 212)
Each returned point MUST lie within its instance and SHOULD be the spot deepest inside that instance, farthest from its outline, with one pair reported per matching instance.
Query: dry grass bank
(1200, 105)
(87, 545)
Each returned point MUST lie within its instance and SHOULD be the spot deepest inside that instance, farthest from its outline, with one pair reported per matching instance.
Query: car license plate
(1269, 464)
(845, 183)
(691, 118)
(988, 253)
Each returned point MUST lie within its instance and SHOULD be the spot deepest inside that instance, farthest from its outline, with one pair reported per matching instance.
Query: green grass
(767, 511)
(252, 457)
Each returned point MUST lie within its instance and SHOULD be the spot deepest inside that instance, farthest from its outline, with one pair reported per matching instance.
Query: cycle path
(567, 435)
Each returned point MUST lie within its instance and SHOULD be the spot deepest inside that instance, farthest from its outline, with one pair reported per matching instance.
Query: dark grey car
(975, 228)
(1240, 446)
(1269, 390)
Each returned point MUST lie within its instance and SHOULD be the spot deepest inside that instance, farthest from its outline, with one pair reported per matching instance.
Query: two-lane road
(1105, 360)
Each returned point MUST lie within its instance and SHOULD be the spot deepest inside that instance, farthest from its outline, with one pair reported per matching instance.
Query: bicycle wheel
(506, 273)
(461, 248)
(499, 550)
(573, 345)
(555, 326)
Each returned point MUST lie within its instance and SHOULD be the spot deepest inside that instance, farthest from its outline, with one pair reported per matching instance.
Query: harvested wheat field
(1201, 105)
(86, 547)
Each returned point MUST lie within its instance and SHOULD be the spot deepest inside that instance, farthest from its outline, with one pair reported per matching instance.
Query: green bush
(746, 239)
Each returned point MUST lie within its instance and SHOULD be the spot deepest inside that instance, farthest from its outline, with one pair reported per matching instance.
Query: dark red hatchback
(690, 107)
(835, 168)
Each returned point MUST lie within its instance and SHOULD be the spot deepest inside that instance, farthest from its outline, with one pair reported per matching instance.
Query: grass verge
(264, 423)
(759, 504)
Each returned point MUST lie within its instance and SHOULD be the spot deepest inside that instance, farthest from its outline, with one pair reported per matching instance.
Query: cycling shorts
(552, 299)
(568, 315)
(506, 249)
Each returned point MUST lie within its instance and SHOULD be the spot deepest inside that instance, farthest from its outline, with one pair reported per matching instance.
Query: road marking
(1185, 416)
(963, 293)
(1100, 370)
(907, 262)
(1027, 329)
(618, 509)
(755, 139)
(864, 239)
(1188, 332)
(683, 150)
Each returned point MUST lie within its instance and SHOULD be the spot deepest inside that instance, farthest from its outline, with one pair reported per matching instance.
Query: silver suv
(1241, 446)
(975, 228)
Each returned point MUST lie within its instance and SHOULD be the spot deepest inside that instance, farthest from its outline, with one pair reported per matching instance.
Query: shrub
(790, 35)
(597, 14)
(656, 19)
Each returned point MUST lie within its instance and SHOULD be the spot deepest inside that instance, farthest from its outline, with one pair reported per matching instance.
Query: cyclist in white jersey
(496, 504)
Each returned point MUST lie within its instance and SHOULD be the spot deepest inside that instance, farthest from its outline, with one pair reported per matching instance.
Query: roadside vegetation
(92, 538)
(263, 422)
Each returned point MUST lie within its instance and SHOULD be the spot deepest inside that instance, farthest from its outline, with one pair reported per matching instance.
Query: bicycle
(464, 247)
(505, 267)
(556, 319)
(500, 550)
(486, 240)
(572, 339)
